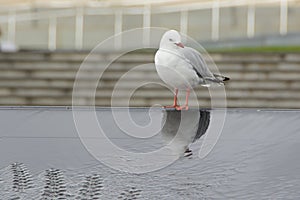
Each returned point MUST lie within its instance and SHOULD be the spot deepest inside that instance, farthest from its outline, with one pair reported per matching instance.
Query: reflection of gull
(182, 67)
(181, 128)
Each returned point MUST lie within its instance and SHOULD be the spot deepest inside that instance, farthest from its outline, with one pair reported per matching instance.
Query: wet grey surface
(256, 156)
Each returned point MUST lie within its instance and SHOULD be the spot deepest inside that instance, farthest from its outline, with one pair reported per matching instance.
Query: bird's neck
(174, 51)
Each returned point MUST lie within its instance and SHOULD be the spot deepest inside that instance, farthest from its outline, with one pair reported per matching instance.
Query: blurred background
(43, 43)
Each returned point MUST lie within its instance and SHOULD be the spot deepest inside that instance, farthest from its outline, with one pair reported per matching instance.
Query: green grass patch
(261, 49)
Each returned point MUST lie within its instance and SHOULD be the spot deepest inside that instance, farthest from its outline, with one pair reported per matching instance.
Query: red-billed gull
(182, 67)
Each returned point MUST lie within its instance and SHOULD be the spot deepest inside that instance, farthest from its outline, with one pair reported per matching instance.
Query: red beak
(180, 44)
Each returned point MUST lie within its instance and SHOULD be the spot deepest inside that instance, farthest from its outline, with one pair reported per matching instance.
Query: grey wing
(195, 59)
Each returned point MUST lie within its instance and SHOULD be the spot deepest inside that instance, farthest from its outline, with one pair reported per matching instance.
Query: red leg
(175, 100)
(187, 98)
(186, 105)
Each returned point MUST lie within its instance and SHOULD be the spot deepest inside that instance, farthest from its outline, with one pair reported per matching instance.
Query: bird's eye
(171, 40)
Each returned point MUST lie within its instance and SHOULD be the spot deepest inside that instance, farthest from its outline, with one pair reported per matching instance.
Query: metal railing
(14, 16)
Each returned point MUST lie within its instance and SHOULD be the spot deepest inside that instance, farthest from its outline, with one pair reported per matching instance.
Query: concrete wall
(43, 78)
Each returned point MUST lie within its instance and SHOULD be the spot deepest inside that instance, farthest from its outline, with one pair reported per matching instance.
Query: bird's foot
(185, 107)
(171, 106)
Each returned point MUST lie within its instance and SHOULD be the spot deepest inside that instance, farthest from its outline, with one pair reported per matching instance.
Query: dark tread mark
(91, 188)
(55, 187)
(130, 194)
(22, 178)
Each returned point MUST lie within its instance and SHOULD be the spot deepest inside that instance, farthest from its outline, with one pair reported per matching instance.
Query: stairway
(269, 80)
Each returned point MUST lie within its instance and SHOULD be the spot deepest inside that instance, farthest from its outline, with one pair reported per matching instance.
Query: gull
(182, 68)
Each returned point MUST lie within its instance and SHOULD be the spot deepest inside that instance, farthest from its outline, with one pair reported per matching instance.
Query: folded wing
(199, 65)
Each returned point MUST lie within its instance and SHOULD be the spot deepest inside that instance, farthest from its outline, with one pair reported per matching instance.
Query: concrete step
(122, 68)
(254, 67)
(148, 93)
(246, 57)
(202, 103)
(73, 56)
(110, 84)
(139, 75)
